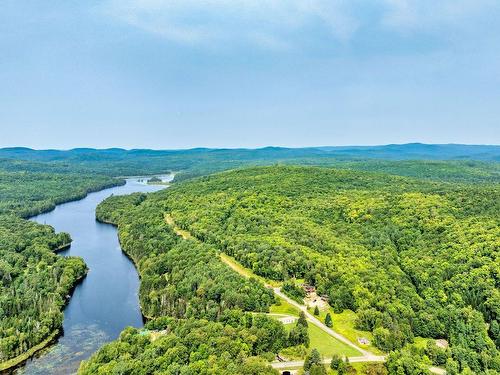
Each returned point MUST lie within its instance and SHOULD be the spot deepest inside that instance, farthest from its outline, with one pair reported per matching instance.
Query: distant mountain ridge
(407, 151)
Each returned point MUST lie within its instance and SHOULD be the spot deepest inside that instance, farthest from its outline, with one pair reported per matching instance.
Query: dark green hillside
(410, 151)
(169, 346)
(29, 193)
(412, 258)
(180, 278)
(34, 284)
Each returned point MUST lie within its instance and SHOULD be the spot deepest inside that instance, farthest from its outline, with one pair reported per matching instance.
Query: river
(106, 301)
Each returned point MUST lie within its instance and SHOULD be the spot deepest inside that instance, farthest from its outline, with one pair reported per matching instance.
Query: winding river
(106, 301)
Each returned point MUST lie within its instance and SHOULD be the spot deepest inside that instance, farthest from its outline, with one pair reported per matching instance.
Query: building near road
(288, 319)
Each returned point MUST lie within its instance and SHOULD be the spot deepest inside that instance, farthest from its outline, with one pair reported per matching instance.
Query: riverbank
(77, 197)
(12, 363)
(15, 362)
(62, 247)
(18, 361)
(145, 318)
(105, 302)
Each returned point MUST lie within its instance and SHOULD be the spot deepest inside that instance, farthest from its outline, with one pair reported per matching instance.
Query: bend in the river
(106, 301)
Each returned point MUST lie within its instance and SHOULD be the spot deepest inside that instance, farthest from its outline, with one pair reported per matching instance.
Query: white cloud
(285, 24)
(269, 24)
(413, 15)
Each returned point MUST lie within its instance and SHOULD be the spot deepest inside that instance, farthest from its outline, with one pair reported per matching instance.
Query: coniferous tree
(328, 320)
(313, 358)
(302, 321)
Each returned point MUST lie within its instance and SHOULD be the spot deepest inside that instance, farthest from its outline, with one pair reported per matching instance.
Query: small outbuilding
(442, 343)
(364, 341)
(288, 319)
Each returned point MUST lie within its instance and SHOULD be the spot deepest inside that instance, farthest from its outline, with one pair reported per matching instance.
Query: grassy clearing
(359, 367)
(327, 345)
(284, 308)
(231, 262)
(420, 342)
(344, 323)
(242, 270)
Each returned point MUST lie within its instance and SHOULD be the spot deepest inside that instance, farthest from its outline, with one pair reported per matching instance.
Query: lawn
(284, 308)
(359, 367)
(326, 344)
(344, 323)
(420, 342)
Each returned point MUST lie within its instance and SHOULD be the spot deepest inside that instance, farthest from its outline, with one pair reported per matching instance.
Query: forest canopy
(410, 257)
(410, 245)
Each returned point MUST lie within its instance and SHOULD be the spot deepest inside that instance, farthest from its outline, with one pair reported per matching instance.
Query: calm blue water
(106, 301)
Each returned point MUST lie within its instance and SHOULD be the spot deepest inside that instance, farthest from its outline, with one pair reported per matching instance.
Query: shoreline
(145, 318)
(13, 363)
(10, 365)
(75, 198)
(62, 247)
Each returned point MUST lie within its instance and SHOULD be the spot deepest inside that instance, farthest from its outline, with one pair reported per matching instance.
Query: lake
(106, 301)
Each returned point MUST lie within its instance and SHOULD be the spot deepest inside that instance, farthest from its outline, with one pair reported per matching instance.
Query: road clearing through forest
(369, 357)
(366, 357)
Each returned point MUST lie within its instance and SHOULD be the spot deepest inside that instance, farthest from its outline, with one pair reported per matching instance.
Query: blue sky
(248, 73)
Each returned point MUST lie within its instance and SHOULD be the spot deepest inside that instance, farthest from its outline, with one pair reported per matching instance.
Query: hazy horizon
(251, 148)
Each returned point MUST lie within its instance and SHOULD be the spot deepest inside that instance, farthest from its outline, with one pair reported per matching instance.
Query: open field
(344, 323)
(284, 308)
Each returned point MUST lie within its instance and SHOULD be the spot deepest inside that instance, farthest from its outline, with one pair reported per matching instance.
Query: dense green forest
(34, 281)
(179, 278)
(410, 245)
(411, 257)
(237, 344)
(202, 312)
(30, 193)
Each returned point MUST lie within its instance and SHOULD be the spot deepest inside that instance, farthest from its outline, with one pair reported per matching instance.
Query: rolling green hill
(411, 257)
